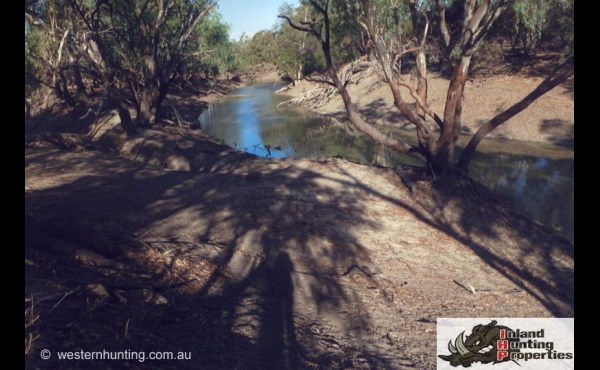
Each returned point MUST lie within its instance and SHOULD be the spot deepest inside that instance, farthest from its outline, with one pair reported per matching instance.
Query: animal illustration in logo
(480, 346)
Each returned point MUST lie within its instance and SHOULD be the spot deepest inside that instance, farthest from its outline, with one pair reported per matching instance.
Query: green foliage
(43, 33)
(560, 30)
(214, 52)
(393, 21)
(125, 31)
(34, 64)
(294, 53)
(348, 36)
(527, 22)
(262, 48)
(530, 20)
(299, 54)
(209, 51)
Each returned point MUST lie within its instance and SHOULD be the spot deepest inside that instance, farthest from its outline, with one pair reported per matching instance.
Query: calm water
(543, 187)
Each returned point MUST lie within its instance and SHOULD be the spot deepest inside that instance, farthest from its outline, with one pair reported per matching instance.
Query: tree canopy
(140, 44)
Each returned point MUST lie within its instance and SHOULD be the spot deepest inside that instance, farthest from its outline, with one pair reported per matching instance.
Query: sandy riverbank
(545, 128)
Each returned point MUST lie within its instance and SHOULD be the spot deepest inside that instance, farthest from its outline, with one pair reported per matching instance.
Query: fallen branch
(55, 296)
(406, 180)
(213, 91)
(319, 80)
(180, 121)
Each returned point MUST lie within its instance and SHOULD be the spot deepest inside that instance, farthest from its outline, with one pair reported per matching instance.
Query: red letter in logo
(502, 333)
(502, 344)
(501, 354)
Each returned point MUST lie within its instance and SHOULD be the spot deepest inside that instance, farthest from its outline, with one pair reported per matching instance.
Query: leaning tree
(460, 37)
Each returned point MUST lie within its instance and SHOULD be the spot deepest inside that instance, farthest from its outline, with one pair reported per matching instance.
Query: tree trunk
(46, 101)
(420, 25)
(162, 93)
(80, 93)
(63, 88)
(443, 154)
(148, 107)
(148, 110)
(27, 112)
(298, 74)
(117, 103)
(422, 81)
(153, 95)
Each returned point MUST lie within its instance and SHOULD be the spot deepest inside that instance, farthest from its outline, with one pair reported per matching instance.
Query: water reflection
(543, 187)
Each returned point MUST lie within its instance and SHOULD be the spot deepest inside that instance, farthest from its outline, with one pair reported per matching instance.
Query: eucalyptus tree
(47, 55)
(294, 54)
(212, 52)
(34, 62)
(94, 41)
(461, 36)
(135, 43)
(261, 48)
(140, 44)
(157, 31)
(297, 54)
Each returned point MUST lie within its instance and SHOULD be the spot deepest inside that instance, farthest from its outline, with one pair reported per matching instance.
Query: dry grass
(31, 332)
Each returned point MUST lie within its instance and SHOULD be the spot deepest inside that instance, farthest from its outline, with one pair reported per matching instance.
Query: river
(542, 186)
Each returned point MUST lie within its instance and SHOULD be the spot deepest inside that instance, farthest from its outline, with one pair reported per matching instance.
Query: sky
(250, 16)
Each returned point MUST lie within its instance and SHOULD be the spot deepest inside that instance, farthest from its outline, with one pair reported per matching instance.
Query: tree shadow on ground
(240, 315)
(551, 285)
(563, 130)
(569, 87)
(388, 113)
(267, 241)
(260, 238)
(469, 213)
(532, 65)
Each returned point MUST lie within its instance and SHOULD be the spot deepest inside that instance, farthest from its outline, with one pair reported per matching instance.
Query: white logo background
(559, 331)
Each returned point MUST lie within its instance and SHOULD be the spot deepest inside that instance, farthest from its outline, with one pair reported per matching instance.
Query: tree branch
(353, 114)
(416, 48)
(471, 27)
(479, 35)
(426, 109)
(318, 80)
(398, 101)
(443, 26)
(319, 8)
(191, 27)
(566, 69)
(310, 30)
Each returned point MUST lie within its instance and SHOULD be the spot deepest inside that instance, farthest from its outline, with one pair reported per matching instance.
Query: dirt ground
(170, 241)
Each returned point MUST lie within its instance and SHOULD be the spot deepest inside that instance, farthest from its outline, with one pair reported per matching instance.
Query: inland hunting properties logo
(480, 346)
(494, 344)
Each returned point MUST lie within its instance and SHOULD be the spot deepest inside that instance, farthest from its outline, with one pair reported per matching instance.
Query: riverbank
(171, 241)
(549, 121)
